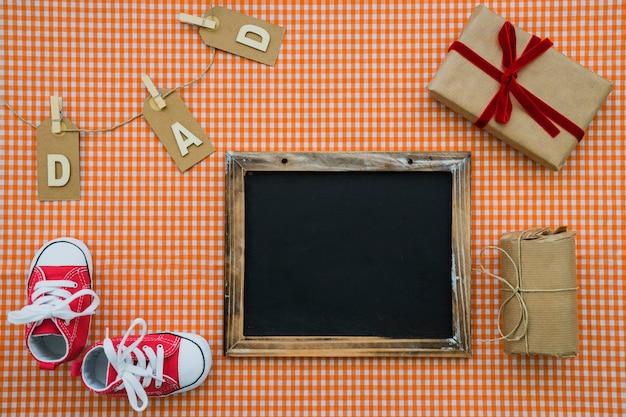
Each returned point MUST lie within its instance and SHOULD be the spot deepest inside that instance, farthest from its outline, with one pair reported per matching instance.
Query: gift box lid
(566, 86)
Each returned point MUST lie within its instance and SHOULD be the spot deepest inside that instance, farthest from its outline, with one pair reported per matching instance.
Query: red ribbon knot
(501, 105)
(504, 107)
(507, 77)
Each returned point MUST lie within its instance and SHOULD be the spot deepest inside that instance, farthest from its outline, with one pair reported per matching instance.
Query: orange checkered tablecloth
(351, 76)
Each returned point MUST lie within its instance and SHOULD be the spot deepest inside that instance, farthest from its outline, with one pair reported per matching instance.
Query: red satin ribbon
(500, 105)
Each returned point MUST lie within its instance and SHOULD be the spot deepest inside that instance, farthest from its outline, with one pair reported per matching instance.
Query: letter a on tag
(243, 35)
(58, 162)
(178, 130)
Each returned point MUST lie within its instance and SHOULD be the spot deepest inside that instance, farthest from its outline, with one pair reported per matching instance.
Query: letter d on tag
(243, 35)
(58, 162)
(178, 130)
(55, 180)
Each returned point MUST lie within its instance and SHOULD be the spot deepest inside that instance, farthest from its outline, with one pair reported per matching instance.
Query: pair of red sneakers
(58, 314)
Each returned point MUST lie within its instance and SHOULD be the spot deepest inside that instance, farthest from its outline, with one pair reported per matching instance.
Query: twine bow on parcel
(516, 289)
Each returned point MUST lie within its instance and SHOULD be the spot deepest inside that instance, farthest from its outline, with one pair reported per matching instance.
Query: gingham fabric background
(350, 77)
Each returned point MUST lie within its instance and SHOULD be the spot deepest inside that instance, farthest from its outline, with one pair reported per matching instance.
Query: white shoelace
(137, 373)
(51, 300)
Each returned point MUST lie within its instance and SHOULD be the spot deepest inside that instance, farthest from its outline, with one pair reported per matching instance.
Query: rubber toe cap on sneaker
(194, 361)
(64, 252)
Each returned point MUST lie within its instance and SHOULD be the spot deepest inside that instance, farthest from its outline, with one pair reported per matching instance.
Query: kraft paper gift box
(539, 313)
(537, 100)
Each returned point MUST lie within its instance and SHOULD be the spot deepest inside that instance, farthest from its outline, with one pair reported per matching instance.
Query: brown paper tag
(58, 162)
(178, 130)
(243, 35)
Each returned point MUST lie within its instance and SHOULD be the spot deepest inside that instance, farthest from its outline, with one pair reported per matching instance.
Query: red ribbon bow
(500, 105)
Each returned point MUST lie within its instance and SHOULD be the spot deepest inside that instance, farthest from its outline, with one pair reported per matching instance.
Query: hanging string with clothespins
(235, 37)
(56, 101)
(164, 110)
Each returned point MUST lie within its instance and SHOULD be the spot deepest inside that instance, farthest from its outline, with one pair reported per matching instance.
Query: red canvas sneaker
(145, 365)
(60, 302)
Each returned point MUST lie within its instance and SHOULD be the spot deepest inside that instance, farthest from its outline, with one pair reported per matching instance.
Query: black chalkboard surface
(332, 248)
(347, 254)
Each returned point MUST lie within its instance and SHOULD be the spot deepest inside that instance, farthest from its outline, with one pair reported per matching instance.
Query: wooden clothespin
(154, 92)
(205, 22)
(56, 111)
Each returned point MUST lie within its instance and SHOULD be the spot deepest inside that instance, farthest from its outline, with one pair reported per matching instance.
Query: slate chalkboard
(346, 254)
(333, 248)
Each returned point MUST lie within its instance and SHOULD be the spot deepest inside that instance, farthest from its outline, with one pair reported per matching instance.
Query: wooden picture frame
(262, 259)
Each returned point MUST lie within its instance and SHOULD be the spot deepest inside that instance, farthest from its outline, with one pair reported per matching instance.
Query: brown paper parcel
(546, 262)
(571, 89)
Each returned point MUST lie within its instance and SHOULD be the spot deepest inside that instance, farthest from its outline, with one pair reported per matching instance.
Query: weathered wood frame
(236, 343)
